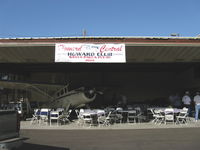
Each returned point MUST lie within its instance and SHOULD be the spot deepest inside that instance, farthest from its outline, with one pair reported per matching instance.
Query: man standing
(197, 105)
(187, 102)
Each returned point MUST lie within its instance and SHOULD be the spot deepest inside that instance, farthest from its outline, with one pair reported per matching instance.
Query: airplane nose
(90, 93)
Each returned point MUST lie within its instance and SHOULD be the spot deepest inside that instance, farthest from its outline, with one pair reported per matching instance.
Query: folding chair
(118, 116)
(44, 114)
(169, 115)
(87, 118)
(140, 116)
(36, 116)
(182, 117)
(158, 116)
(64, 118)
(107, 120)
(54, 116)
(131, 116)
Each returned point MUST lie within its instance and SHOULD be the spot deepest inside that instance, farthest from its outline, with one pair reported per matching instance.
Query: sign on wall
(90, 53)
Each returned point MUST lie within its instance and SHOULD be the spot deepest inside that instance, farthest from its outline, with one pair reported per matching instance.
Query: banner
(90, 53)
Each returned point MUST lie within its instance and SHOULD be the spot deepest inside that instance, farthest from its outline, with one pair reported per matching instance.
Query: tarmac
(117, 137)
(125, 136)
(75, 126)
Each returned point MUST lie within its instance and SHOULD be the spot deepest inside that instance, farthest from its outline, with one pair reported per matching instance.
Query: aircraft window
(62, 92)
(58, 94)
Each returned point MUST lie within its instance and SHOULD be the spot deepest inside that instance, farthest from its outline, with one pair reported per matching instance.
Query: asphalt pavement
(112, 139)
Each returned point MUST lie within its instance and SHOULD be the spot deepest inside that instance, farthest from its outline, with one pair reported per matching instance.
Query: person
(177, 103)
(175, 100)
(187, 102)
(124, 101)
(197, 105)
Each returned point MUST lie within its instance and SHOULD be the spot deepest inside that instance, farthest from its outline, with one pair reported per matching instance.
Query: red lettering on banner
(62, 47)
(101, 57)
(89, 60)
(104, 48)
(78, 48)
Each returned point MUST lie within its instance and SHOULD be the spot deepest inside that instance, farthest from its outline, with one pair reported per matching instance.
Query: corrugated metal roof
(102, 37)
(138, 49)
(45, 54)
(128, 40)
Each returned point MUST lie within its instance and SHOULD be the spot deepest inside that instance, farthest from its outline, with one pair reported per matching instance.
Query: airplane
(62, 97)
(75, 98)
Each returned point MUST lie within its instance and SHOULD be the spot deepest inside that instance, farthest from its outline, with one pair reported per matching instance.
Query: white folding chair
(169, 115)
(36, 116)
(44, 113)
(64, 117)
(80, 121)
(131, 116)
(34, 119)
(158, 116)
(104, 120)
(119, 116)
(182, 118)
(87, 118)
(54, 116)
(107, 120)
(140, 116)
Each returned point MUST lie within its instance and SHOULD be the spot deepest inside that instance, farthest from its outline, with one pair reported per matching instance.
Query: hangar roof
(128, 40)
(138, 49)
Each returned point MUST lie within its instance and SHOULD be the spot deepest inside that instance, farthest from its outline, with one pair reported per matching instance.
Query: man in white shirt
(187, 101)
(197, 105)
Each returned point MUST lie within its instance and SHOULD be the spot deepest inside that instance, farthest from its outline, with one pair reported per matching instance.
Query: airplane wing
(42, 88)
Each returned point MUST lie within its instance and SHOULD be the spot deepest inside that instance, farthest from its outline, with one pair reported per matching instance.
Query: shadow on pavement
(29, 146)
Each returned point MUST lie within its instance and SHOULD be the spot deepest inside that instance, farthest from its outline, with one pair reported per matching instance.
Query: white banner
(90, 53)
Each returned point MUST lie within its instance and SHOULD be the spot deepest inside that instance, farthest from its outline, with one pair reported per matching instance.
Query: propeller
(89, 90)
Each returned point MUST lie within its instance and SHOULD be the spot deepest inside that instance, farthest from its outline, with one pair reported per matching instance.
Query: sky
(66, 18)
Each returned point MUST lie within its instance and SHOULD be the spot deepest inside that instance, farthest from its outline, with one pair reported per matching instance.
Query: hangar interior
(140, 83)
(150, 75)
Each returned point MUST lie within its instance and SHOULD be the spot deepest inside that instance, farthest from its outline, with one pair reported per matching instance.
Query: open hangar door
(150, 83)
(152, 71)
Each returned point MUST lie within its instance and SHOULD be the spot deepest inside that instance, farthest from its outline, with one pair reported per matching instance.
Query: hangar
(155, 67)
